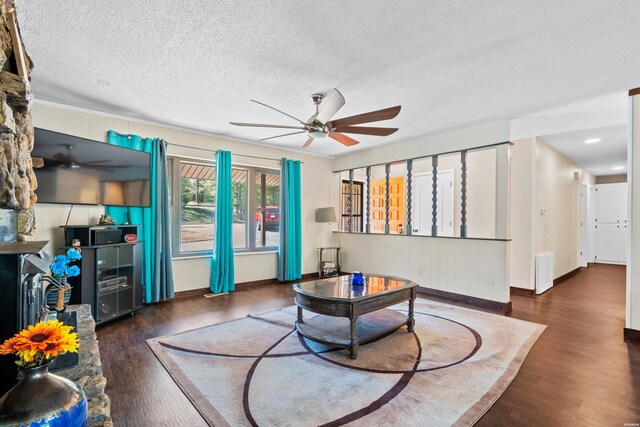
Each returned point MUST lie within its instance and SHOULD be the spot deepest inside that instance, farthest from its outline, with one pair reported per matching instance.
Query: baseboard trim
(514, 290)
(239, 286)
(631, 334)
(504, 307)
(191, 293)
(304, 278)
(566, 276)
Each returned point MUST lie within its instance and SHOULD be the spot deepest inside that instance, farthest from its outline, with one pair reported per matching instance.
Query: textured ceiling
(196, 64)
(598, 158)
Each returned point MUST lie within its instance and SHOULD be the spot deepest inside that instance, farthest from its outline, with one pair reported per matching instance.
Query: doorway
(611, 223)
(585, 225)
(422, 203)
(379, 205)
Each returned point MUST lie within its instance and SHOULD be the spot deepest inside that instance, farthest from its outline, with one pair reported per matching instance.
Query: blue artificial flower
(74, 255)
(61, 259)
(73, 271)
(59, 269)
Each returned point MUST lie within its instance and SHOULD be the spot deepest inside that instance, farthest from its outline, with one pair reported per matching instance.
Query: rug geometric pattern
(258, 371)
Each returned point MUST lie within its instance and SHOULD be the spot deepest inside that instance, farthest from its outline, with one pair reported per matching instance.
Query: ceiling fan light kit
(320, 125)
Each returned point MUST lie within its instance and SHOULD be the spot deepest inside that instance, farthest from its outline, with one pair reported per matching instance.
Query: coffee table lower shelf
(335, 331)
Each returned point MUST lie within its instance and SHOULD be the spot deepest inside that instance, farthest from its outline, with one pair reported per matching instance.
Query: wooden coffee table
(350, 316)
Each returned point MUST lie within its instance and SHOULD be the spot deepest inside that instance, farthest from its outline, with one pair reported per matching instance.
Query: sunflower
(9, 346)
(40, 343)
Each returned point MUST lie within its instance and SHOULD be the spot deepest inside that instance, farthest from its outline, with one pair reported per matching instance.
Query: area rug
(258, 371)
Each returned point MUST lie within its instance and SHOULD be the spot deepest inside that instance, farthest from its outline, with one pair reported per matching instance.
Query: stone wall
(88, 373)
(17, 179)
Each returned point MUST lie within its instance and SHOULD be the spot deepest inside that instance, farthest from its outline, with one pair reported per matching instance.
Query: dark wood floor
(580, 372)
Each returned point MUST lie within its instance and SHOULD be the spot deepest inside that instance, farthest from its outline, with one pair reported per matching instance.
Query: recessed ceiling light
(617, 168)
(592, 141)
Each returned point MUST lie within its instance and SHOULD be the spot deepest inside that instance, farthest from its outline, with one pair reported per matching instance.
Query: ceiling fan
(68, 161)
(320, 125)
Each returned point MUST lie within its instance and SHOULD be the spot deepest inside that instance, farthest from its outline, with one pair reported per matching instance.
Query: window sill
(270, 251)
(185, 257)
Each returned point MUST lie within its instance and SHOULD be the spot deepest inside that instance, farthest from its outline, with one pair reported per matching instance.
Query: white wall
(478, 268)
(557, 207)
(522, 206)
(191, 273)
(545, 210)
(633, 240)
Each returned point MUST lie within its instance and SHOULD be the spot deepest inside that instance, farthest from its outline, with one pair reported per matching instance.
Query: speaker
(106, 237)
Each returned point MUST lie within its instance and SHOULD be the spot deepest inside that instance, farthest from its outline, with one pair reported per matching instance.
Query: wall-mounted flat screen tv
(85, 172)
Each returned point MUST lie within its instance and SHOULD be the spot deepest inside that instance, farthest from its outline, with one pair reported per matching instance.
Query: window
(482, 192)
(197, 213)
(267, 209)
(377, 199)
(355, 222)
(239, 189)
(457, 194)
(255, 195)
(449, 195)
(397, 198)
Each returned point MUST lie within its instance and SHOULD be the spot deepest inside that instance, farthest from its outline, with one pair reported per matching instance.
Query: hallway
(580, 372)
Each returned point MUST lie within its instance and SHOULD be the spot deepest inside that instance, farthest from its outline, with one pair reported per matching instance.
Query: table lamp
(328, 216)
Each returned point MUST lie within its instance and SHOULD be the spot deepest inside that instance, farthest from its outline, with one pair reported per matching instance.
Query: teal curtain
(222, 271)
(157, 274)
(290, 250)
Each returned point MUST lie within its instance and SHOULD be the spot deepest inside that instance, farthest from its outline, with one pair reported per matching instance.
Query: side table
(329, 267)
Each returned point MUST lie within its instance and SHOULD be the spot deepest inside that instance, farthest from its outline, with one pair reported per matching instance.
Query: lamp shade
(326, 215)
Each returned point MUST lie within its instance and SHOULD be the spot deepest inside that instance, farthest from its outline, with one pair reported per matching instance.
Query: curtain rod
(234, 154)
(212, 151)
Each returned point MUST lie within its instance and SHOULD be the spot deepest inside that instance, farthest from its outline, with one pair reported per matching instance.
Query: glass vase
(52, 297)
(42, 399)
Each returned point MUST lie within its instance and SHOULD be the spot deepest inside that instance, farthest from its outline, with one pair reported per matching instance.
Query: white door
(592, 225)
(622, 241)
(611, 204)
(611, 242)
(611, 223)
(608, 243)
(422, 204)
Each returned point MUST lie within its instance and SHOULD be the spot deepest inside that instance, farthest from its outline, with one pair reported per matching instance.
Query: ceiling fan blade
(364, 130)
(97, 162)
(281, 112)
(95, 166)
(100, 168)
(62, 158)
(308, 143)
(261, 125)
(51, 163)
(334, 102)
(343, 139)
(279, 136)
(372, 116)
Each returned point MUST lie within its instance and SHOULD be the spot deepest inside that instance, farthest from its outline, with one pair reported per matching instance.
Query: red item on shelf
(130, 238)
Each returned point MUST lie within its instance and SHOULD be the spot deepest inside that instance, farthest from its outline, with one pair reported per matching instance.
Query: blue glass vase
(357, 279)
(42, 399)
